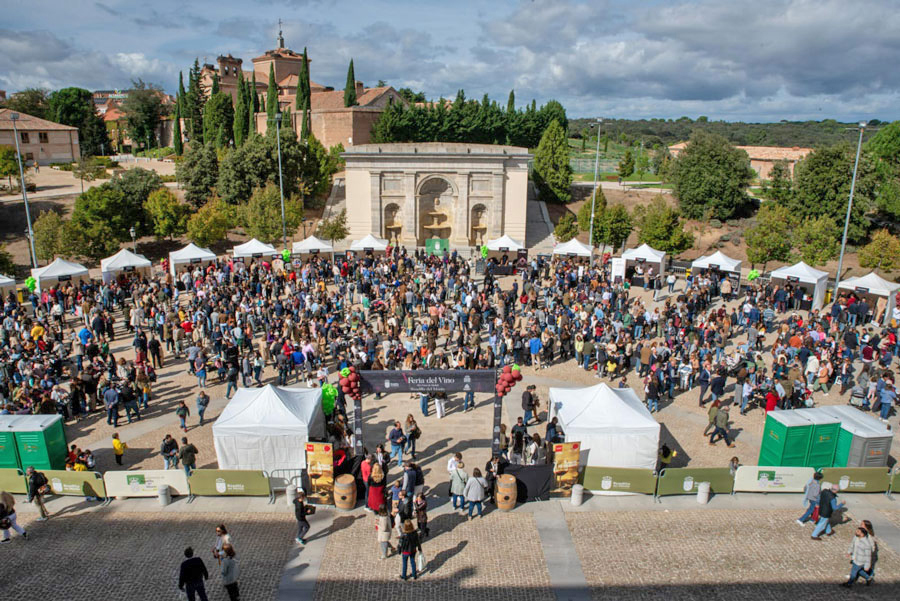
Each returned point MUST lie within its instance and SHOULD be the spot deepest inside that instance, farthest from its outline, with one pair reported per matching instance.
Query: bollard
(290, 493)
(577, 494)
(703, 493)
(165, 496)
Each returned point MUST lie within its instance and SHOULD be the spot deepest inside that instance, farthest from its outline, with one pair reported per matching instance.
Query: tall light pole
(837, 279)
(280, 180)
(133, 239)
(14, 117)
(596, 183)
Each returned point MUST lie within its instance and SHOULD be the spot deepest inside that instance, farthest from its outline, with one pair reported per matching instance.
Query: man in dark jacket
(528, 403)
(828, 505)
(492, 470)
(300, 512)
(717, 386)
(36, 480)
(193, 573)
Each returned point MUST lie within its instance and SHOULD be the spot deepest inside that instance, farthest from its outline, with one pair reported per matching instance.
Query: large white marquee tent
(58, 271)
(253, 248)
(188, 255)
(503, 244)
(267, 429)
(717, 260)
(369, 244)
(7, 285)
(126, 261)
(612, 424)
(811, 280)
(877, 289)
(573, 248)
(311, 246)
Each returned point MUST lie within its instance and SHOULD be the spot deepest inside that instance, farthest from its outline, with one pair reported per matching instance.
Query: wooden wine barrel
(345, 492)
(506, 492)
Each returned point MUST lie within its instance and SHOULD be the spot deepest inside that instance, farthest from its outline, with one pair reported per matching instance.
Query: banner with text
(619, 480)
(684, 480)
(754, 478)
(13, 481)
(429, 380)
(247, 483)
(320, 469)
(78, 484)
(895, 483)
(145, 483)
(859, 479)
(565, 468)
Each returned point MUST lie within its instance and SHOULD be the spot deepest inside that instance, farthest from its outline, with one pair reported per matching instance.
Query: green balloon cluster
(31, 283)
(484, 251)
(329, 394)
(345, 372)
(752, 275)
(286, 255)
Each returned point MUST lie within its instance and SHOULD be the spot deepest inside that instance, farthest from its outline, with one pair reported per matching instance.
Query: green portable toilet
(863, 441)
(785, 439)
(823, 440)
(9, 455)
(41, 441)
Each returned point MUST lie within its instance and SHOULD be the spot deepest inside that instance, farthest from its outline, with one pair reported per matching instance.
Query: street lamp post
(14, 117)
(837, 279)
(280, 179)
(133, 239)
(596, 183)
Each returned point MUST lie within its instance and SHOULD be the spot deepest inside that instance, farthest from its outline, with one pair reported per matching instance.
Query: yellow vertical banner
(565, 467)
(320, 469)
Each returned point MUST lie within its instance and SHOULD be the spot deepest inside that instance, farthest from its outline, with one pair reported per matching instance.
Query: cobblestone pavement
(498, 557)
(708, 553)
(110, 555)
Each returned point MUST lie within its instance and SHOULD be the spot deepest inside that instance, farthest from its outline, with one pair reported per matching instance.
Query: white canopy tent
(811, 280)
(267, 429)
(369, 244)
(612, 425)
(7, 285)
(647, 257)
(190, 254)
(58, 271)
(253, 248)
(573, 248)
(717, 260)
(126, 261)
(878, 292)
(311, 246)
(504, 244)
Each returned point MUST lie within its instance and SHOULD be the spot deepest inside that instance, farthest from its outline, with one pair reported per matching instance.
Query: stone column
(459, 236)
(410, 211)
(497, 207)
(377, 209)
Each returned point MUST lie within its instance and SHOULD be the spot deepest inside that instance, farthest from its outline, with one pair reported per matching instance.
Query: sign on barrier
(858, 479)
(246, 483)
(320, 469)
(79, 484)
(754, 478)
(619, 479)
(145, 483)
(895, 483)
(13, 481)
(684, 480)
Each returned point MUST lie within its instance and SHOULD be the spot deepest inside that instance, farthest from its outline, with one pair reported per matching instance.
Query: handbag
(420, 561)
(815, 514)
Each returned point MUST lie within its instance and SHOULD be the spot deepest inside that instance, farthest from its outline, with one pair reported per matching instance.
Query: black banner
(429, 380)
(533, 482)
(498, 417)
(357, 428)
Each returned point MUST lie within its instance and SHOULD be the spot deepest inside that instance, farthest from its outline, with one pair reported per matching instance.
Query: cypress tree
(303, 97)
(350, 87)
(194, 104)
(255, 95)
(271, 98)
(215, 84)
(511, 103)
(179, 145)
(181, 92)
(240, 112)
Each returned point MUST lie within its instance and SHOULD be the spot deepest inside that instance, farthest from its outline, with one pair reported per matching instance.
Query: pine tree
(271, 98)
(240, 112)
(350, 87)
(179, 144)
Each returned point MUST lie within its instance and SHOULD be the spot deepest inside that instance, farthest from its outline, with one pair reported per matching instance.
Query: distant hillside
(668, 132)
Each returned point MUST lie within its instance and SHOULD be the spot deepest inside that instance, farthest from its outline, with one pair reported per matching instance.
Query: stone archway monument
(411, 192)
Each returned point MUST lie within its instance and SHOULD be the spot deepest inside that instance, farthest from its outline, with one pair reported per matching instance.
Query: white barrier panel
(144, 483)
(753, 478)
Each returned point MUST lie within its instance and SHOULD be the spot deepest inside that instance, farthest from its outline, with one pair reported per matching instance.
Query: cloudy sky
(732, 59)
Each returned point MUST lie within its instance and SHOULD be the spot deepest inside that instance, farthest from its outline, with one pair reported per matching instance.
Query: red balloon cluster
(350, 385)
(507, 380)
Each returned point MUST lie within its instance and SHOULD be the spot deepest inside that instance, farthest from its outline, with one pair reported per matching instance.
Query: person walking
(191, 576)
(528, 403)
(871, 531)
(202, 404)
(8, 517)
(37, 488)
(301, 510)
(375, 490)
(412, 433)
(811, 493)
(182, 412)
(722, 419)
(860, 553)
(188, 456)
(409, 545)
(383, 531)
(222, 538)
(230, 572)
(118, 447)
(828, 504)
(458, 480)
(169, 451)
(398, 441)
(711, 414)
(420, 507)
(475, 491)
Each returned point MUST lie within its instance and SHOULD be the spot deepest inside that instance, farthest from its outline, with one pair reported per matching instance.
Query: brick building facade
(40, 141)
